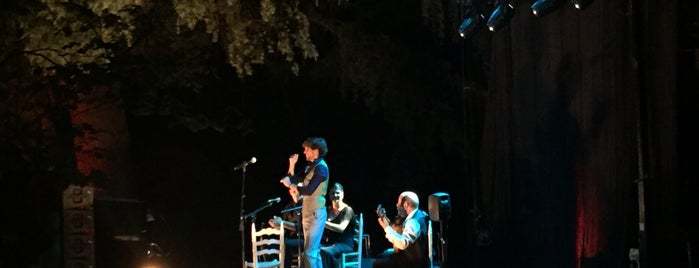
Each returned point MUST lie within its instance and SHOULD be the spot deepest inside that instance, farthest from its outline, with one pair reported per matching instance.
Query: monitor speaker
(118, 232)
(439, 207)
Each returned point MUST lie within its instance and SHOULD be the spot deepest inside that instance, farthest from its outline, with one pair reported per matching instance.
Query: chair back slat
(354, 259)
(267, 247)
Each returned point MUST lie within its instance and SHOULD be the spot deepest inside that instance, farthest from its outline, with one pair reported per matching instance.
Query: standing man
(410, 239)
(311, 186)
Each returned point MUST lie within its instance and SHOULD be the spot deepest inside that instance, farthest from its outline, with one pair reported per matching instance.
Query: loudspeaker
(119, 241)
(439, 207)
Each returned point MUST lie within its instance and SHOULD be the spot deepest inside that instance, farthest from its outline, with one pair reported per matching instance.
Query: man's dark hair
(317, 143)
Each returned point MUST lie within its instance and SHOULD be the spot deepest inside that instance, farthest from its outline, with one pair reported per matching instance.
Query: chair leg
(366, 239)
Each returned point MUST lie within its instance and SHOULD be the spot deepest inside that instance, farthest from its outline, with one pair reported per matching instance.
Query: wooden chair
(354, 259)
(267, 247)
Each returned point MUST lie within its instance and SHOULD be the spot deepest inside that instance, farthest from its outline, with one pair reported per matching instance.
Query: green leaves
(74, 34)
(79, 34)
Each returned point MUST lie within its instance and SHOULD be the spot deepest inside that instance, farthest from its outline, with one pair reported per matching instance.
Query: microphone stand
(241, 225)
(299, 232)
(297, 211)
(254, 213)
(243, 217)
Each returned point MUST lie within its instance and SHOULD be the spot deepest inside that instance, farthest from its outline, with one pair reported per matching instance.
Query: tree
(90, 34)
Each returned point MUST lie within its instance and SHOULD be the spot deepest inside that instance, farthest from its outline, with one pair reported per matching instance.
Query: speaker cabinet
(439, 206)
(119, 241)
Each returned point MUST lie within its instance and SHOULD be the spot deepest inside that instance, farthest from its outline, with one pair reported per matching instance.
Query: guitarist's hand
(383, 223)
(275, 222)
(381, 214)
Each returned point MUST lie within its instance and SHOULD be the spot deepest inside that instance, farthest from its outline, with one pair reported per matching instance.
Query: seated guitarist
(410, 240)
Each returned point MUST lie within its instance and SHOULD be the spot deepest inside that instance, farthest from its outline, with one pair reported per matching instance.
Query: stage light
(470, 24)
(155, 257)
(502, 13)
(543, 7)
(580, 4)
(154, 263)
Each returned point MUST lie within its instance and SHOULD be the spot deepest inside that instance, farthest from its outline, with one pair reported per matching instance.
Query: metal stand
(442, 244)
(297, 210)
(241, 225)
(253, 215)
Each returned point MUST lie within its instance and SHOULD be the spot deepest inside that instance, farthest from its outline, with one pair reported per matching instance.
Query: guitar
(396, 224)
(276, 221)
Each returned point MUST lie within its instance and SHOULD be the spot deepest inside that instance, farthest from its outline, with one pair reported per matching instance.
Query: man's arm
(276, 222)
(411, 230)
(287, 180)
(320, 174)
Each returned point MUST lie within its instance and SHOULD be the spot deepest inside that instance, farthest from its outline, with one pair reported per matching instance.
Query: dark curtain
(570, 124)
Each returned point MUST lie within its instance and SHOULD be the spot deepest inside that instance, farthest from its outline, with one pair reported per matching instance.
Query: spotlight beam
(502, 13)
(470, 24)
(580, 4)
(542, 7)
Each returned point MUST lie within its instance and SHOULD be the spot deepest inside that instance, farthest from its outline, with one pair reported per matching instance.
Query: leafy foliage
(62, 33)
(66, 33)
(161, 55)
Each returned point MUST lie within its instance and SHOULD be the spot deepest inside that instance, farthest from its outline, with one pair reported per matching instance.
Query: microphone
(274, 200)
(245, 163)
